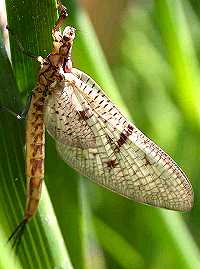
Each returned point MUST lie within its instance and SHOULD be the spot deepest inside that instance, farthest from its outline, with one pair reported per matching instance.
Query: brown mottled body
(35, 151)
(51, 70)
(35, 129)
(35, 133)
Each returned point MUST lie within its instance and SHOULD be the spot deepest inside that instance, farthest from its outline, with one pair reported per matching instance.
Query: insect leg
(20, 46)
(22, 115)
(63, 14)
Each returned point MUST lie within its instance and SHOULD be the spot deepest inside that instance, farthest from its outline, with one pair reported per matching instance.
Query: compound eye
(69, 33)
(65, 38)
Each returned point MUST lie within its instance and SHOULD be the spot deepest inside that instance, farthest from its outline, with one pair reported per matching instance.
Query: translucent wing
(96, 139)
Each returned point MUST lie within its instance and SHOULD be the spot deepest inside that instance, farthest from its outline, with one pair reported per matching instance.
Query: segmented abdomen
(35, 152)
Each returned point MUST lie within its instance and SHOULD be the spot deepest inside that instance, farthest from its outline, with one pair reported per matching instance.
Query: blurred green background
(145, 54)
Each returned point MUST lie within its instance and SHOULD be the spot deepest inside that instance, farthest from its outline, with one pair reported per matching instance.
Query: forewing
(110, 150)
(64, 120)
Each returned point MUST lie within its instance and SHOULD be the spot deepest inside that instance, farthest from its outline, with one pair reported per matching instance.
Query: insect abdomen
(35, 153)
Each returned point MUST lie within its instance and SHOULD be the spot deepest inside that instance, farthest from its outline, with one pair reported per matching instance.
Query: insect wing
(63, 118)
(94, 138)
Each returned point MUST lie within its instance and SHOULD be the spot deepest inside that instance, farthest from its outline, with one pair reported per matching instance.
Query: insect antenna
(17, 234)
(20, 46)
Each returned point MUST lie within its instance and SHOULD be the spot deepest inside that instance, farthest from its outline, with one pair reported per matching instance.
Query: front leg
(23, 113)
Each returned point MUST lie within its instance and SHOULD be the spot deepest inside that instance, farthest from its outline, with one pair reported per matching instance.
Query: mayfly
(93, 137)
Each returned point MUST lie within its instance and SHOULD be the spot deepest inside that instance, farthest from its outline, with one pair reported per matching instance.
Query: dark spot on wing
(147, 161)
(111, 163)
(124, 135)
(83, 114)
